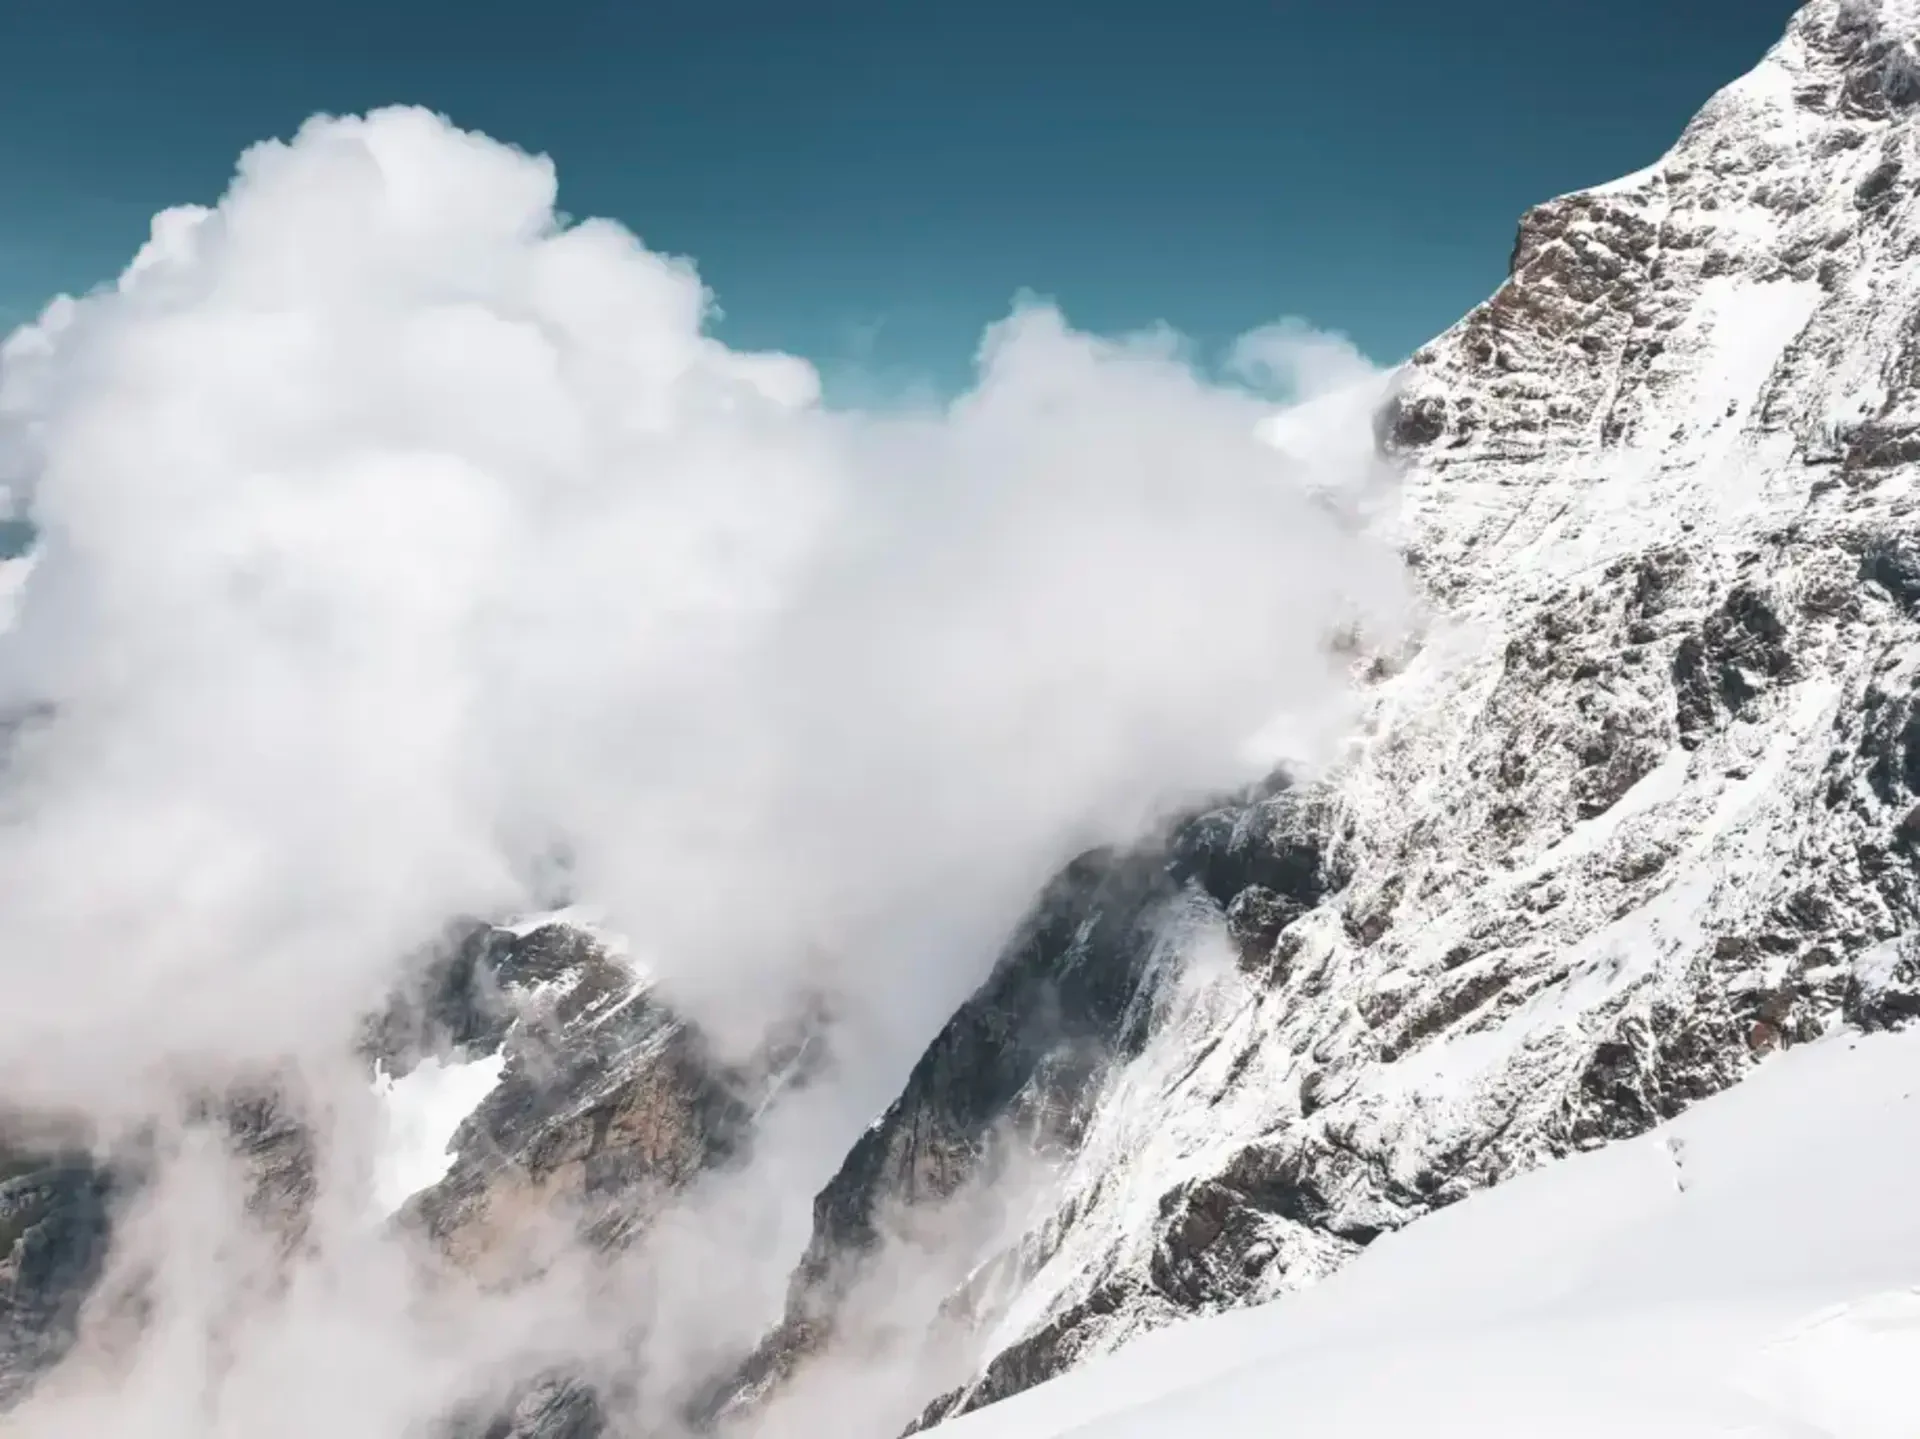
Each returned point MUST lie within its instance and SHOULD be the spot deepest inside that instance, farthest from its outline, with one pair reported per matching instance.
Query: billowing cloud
(400, 542)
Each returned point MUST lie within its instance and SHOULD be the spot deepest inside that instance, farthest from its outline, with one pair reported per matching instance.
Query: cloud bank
(406, 552)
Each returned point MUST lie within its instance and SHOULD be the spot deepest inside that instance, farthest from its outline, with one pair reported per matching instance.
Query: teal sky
(869, 183)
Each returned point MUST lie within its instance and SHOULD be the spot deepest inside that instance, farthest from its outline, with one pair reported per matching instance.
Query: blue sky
(869, 183)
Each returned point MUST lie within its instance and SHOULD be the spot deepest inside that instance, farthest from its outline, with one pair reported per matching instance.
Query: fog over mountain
(407, 555)
(557, 885)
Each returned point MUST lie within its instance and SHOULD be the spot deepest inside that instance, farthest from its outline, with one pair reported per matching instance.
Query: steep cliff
(1639, 807)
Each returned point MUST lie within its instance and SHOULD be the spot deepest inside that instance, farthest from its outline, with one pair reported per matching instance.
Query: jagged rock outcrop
(550, 1406)
(1023, 1060)
(61, 1198)
(54, 1229)
(607, 1105)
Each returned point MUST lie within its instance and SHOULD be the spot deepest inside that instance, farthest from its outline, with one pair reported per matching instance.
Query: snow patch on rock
(422, 1110)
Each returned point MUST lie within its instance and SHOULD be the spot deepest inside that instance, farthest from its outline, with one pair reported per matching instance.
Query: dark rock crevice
(1721, 668)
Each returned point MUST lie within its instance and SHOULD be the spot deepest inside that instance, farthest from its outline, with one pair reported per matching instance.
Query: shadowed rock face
(59, 1202)
(1054, 1007)
(1721, 668)
(53, 1242)
(607, 1106)
(548, 1407)
(1020, 1064)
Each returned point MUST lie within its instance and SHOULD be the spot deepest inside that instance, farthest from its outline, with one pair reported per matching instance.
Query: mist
(406, 551)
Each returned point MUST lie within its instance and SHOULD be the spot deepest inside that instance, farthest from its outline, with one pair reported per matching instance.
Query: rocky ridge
(606, 1105)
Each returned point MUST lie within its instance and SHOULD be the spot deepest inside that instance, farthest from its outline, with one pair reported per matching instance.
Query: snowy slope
(1751, 1268)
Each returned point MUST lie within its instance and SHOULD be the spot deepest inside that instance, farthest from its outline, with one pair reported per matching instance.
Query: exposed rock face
(549, 1407)
(1023, 1062)
(60, 1201)
(608, 1103)
(608, 1106)
(54, 1229)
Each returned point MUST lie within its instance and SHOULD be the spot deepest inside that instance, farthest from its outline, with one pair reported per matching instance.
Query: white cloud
(394, 533)
(1295, 362)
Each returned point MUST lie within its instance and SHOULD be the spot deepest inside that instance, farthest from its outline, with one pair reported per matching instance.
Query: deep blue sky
(867, 181)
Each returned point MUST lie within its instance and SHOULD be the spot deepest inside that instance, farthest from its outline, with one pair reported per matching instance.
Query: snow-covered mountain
(1635, 811)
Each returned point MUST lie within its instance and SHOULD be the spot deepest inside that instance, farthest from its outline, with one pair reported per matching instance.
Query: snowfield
(1752, 1268)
